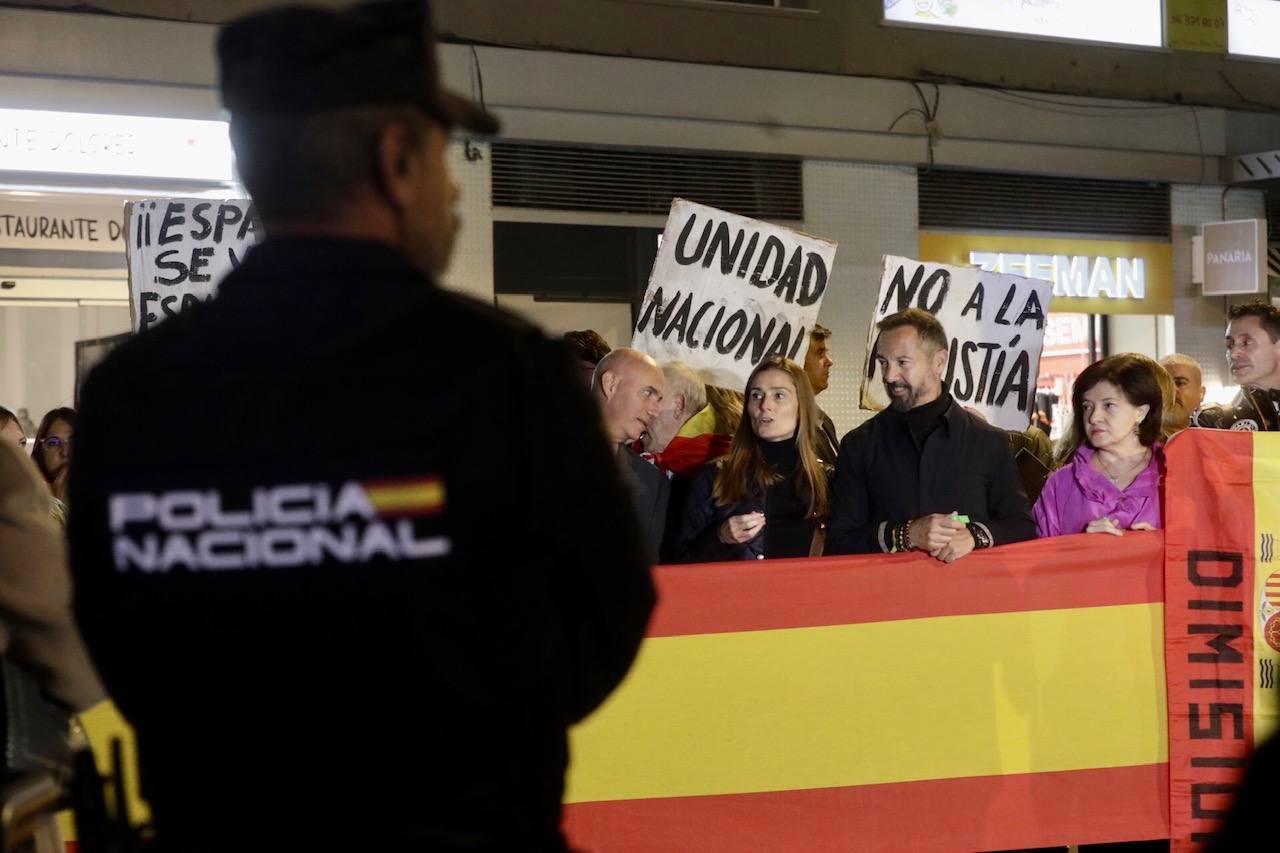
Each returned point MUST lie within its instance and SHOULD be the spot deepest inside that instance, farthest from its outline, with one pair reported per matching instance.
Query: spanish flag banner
(1222, 617)
(1013, 699)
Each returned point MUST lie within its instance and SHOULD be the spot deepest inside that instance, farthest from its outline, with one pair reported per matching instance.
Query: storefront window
(1253, 28)
(38, 352)
(1069, 347)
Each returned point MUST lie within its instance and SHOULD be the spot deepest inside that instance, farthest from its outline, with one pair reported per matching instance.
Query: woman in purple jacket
(1111, 482)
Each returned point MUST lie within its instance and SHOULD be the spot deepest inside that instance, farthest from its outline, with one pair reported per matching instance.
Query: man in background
(1253, 358)
(682, 439)
(629, 387)
(1188, 384)
(587, 348)
(817, 366)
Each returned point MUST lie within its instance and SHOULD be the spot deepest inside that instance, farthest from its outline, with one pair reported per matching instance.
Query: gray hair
(1179, 358)
(681, 379)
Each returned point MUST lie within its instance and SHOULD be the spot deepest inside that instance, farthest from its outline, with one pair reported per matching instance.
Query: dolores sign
(179, 249)
(996, 326)
(727, 291)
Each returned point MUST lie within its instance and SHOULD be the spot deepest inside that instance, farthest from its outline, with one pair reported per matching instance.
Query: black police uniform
(336, 568)
(1254, 409)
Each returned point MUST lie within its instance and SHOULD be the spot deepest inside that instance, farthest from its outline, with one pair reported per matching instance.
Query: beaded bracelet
(900, 537)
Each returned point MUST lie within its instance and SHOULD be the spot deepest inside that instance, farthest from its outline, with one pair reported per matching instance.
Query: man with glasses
(332, 635)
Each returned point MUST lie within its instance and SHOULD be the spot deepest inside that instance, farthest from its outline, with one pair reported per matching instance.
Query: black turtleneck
(787, 533)
(782, 456)
(923, 420)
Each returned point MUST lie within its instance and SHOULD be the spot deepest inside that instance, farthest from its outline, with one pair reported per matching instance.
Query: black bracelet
(981, 539)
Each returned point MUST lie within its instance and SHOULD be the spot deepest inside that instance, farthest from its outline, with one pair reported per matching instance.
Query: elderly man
(1188, 385)
(1253, 357)
(629, 386)
(924, 474)
(817, 366)
(326, 643)
(682, 439)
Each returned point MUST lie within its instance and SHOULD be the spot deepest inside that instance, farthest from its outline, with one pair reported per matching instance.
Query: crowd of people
(326, 645)
(926, 474)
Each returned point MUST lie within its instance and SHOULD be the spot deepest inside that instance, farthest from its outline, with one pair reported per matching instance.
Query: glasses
(27, 442)
(54, 443)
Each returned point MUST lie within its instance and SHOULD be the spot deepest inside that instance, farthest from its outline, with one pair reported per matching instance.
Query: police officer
(324, 562)
(1253, 358)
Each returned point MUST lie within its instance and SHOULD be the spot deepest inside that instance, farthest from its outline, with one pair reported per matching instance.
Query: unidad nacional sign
(727, 291)
(995, 324)
(179, 249)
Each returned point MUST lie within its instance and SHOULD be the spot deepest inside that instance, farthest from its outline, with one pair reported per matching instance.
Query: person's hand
(1104, 525)
(961, 543)
(741, 528)
(933, 532)
(1142, 525)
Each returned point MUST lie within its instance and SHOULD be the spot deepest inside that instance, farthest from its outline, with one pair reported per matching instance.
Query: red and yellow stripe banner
(1013, 699)
(1222, 617)
(1017, 698)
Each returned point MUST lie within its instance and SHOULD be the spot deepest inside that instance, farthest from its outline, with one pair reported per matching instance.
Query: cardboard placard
(995, 323)
(179, 249)
(727, 291)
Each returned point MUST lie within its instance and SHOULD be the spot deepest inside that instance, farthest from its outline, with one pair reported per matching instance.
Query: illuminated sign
(1089, 276)
(1235, 257)
(1253, 28)
(118, 146)
(1081, 275)
(53, 224)
(1135, 22)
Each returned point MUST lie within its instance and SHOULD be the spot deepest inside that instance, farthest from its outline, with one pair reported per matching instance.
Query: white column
(871, 211)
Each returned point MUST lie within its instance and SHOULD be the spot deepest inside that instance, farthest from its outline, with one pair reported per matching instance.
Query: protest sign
(179, 249)
(727, 291)
(995, 323)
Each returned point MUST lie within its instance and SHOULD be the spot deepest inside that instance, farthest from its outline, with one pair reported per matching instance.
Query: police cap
(300, 60)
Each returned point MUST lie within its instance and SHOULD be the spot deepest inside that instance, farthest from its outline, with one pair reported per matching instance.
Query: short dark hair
(587, 345)
(1268, 315)
(1136, 378)
(925, 324)
(6, 416)
(819, 332)
(304, 167)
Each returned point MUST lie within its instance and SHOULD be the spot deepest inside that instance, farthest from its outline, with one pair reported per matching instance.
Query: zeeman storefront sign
(1089, 276)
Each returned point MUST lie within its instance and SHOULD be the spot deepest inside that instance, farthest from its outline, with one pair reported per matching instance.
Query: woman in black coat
(768, 497)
